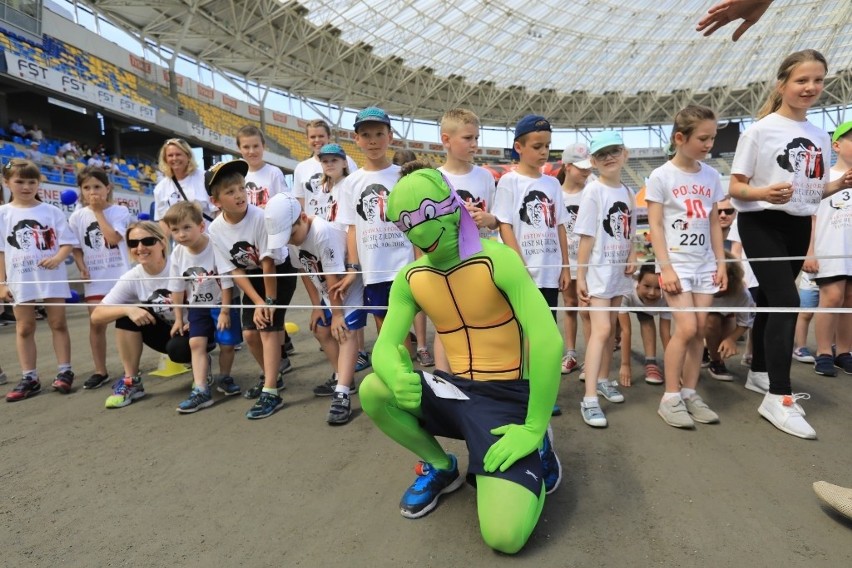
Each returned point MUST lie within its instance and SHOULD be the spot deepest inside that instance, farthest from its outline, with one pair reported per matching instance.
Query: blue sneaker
(431, 483)
(550, 464)
(363, 361)
(228, 386)
(255, 391)
(556, 410)
(844, 362)
(824, 365)
(265, 406)
(198, 399)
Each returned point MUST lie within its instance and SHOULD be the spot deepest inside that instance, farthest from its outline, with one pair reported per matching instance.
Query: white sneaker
(757, 381)
(785, 414)
(674, 413)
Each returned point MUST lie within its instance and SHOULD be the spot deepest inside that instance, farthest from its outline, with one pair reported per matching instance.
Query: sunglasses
(604, 154)
(144, 241)
(727, 211)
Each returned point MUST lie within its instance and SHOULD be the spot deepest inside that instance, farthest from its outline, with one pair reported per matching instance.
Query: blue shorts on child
(490, 404)
(203, 322)
(356, 319)
(377, 297)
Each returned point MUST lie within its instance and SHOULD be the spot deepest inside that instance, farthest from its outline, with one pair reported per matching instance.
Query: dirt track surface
(144, 486)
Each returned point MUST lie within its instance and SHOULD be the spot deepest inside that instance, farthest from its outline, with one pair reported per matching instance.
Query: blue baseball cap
(371, 114)
(332, 150)
(531, 123)
(605, 139)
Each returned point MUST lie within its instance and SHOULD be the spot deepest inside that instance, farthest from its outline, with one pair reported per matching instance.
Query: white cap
(578, 156)
(281, 211)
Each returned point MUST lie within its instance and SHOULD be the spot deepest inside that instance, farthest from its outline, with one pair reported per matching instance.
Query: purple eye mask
(429, 209)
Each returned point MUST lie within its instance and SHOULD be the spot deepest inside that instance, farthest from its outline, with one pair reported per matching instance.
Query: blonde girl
(34, 242)
(683, 196)
(606, 223)
(778, 177)
(100, 254)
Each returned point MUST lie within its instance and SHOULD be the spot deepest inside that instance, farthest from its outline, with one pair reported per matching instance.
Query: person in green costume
(505, 353)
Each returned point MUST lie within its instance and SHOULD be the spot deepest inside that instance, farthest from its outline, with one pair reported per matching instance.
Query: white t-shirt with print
(533, 206)
(571, 201)
(105, 263)
(382, 248)
(609, 215)
(197, 276)
(166, 194)
(307, 185)
(476, 187)
(136, 286)
(687, 199)
(29, 235)
(748, 273)
(776, 149)
(244, 244)
(834, 232)
(324, 250)
(632, 300)
(262, 184)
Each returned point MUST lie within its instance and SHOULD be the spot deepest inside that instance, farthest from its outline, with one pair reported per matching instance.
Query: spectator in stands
(70, 151)
(35, 133)
(727, 214)
(33, 153)
(96, 161)
(182, 180)
(86, 152)
(61, 164)
(17, 127)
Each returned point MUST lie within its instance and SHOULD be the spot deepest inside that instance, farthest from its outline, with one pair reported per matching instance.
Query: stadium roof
(583, 63)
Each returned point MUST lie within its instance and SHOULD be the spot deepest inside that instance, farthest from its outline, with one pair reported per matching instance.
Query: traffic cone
(168, 368)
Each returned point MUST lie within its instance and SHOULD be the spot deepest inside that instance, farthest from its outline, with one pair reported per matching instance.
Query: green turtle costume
(504, 351)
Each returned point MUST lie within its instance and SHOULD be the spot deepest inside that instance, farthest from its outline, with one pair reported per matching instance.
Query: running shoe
(824, 365)
(255, 391)
(719, 371)
(363, 361)
(569, 364)
(62, 383)
(228, 386)
(340, 410)
(609, 390)
(124, 392)
(785, 413)
(426, 359)
(267, 404)
(419, 499)
(803, 355)
(27, 387)
(198, 399)
(95, 381)
(844, 362)
(550, 465)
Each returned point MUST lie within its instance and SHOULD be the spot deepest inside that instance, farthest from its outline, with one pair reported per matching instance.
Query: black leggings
(770, 234)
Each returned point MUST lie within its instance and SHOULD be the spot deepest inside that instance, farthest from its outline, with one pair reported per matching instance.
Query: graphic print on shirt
(313, 183)
(538, 210)
(572, 211)
(30, 235)
(313, 266)
(161, 304)
(257, 196)
(203, 284)
(468, 199)
(616, 223)
(244, 255)
(373, 203)
(94, 238)
(802, 157)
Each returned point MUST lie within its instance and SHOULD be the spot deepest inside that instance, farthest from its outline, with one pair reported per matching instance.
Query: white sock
(670, 395)
(591, 401)
(687, 393)
(341, 388)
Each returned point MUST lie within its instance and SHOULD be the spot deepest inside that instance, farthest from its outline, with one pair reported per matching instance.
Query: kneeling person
(504, 350)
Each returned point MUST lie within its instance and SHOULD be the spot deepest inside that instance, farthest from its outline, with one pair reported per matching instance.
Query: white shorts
(704, 283)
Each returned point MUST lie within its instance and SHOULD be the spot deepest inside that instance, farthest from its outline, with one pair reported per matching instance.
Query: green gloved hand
(405, 384)
(518, 441)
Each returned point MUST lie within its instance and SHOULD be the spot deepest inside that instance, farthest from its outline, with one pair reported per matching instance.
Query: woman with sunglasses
(139, 305)
(182, 180)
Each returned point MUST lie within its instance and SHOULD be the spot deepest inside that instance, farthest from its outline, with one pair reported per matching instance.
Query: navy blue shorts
(202, 323)
(377, 294)
(356, 319)
(491, 404)
(551, 296)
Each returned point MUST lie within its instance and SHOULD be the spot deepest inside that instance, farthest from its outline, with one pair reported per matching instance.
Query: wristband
(270, 301)
(356, 267)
